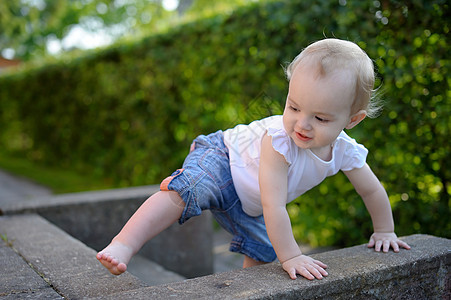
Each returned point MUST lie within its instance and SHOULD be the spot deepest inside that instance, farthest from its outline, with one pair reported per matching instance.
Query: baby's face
(317, 108)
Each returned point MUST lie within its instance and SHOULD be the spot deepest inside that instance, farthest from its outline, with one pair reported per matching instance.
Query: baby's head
(334, 55)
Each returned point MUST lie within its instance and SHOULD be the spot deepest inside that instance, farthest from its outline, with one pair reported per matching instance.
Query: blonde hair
(334, 55)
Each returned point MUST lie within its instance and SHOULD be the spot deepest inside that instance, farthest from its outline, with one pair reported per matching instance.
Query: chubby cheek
(287, 124)
(329, 137)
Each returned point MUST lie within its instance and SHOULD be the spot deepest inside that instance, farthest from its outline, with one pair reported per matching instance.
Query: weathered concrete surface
(18, 280)
(150, 272)
(46, 263)
(61, 264)
(354, 273)
(41, 261)
(96, 217)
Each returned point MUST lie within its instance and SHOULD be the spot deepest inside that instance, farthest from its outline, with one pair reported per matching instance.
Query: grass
(57, 179)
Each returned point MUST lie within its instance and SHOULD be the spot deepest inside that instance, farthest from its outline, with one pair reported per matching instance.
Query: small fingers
(377, 246)
(305, 273)
(320, 269)
(317, 271)
(403, 245)
(292, 273)
(306, 267)
(385, 245)
(312, 271)
(301, 271)
(321, 264)
(394, 245)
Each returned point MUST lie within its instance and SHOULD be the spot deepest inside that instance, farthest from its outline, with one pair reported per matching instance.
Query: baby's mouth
(302, 137)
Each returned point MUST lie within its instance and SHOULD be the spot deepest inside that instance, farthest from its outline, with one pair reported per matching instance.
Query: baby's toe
(122, 267)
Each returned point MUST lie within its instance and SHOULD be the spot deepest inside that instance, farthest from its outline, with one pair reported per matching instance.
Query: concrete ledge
(96, 217)
(40, 260)
(357, 272)
(18, 280)
(48, 263)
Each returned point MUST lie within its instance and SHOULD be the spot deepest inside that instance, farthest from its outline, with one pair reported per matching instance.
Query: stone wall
(41, 260)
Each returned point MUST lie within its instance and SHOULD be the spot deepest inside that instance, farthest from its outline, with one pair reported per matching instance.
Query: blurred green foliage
(28, 27)
(129, 112)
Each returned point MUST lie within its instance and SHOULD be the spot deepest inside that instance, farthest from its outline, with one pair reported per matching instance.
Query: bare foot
(115, 257)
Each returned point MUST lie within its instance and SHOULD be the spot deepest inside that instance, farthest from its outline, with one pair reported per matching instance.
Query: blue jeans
(205, 182)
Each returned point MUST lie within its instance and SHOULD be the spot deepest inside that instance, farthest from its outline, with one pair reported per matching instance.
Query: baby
(246, 175)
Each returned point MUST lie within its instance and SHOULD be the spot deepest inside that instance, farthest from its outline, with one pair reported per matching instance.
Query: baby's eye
(294, 108)
(322, 120)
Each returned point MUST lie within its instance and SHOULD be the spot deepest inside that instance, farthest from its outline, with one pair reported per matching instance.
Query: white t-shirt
(305, 169)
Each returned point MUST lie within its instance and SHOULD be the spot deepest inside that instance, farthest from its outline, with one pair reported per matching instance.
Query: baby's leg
(250, 262)
(156, 214)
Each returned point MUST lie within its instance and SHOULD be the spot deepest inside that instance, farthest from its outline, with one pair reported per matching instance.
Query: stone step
(18, 280)
(354, 273)
(96, 217)
(39, 259)
(150, 272)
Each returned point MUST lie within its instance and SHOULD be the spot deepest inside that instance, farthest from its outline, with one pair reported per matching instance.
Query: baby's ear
(356, 119)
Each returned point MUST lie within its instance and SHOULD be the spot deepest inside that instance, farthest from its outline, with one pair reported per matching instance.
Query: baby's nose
(303, 123)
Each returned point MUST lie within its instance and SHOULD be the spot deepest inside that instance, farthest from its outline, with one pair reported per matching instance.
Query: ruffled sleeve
(281, 142)
(354, 156)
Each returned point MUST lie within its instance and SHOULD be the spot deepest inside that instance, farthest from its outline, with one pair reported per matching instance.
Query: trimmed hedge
(129, 112)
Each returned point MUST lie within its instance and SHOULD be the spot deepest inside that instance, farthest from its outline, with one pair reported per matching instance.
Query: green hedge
(129, 112)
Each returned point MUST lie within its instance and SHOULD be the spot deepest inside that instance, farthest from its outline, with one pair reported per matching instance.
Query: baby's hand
(386, 240)
(306, 266)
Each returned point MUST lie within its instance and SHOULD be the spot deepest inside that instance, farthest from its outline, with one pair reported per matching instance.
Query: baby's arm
(376, 201)
(273, 187)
